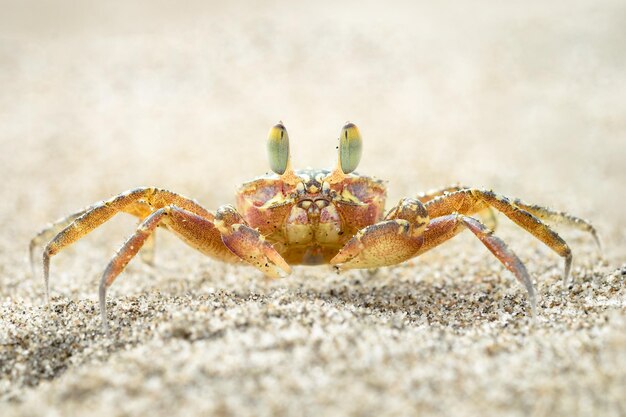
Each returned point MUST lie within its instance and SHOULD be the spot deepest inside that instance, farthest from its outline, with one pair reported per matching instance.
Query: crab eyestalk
(278, 152)
(350, 150)
(278, 148)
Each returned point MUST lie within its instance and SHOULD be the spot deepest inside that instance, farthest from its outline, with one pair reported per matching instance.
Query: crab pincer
(248, 244)
(391, 241)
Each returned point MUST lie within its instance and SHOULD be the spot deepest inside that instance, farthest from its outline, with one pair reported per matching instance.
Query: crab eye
(350, 147)
(278, 148)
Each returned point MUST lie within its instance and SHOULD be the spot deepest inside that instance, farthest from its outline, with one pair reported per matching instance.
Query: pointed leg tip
(277, 264)
(105, 325)
(567, 272)
(271, 266)
(271, 274)
(532, 300)
(281, 270)
(566, 285)
(105, 330)
(596, 238)
(47, 292)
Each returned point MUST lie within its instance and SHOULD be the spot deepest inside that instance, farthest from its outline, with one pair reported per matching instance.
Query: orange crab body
(308, 220)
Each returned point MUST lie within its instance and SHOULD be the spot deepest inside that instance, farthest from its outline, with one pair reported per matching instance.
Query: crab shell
(308, 219)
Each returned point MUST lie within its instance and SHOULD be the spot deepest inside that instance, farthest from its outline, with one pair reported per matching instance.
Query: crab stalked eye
(350, 147)
(278, 148)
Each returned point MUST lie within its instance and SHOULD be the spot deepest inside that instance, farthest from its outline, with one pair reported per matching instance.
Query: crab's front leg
(218, 238)
(407, 232)
(394, 240)
(227, 237)
(248, 244)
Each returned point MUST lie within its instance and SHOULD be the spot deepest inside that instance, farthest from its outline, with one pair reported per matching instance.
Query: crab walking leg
(99, 213)
(125, 254)
(472, 200)
(138, 209)
(443, 228)
(48, 233)
(141, 210)
(148, 249)
(425, 197)
(239, 243)
(487, 214)
(559, 217)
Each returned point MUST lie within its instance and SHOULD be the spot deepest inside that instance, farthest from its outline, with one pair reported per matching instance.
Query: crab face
(308, 215)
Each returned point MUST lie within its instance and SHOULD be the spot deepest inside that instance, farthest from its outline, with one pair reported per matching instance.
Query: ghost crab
(313, 217)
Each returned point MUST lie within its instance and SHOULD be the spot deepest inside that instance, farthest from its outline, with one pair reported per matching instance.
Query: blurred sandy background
(527, 98)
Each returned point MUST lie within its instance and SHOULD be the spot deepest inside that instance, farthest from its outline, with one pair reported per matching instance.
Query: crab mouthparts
(313, 213)
(313, 206)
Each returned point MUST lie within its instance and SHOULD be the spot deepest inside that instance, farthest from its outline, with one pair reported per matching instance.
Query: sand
(527, 100)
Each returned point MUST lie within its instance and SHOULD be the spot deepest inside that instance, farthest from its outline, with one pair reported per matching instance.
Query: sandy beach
(528, 100)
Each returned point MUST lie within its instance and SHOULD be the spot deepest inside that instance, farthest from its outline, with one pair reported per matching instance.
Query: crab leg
(472, 200)
(544, 213)
(391, 241)
(425, 197)
(487, 215)
(138, 209)
(141, 210)
(48, 233)
(559, 217)
(92, 217)
(125, 254)
(443, 228)
(223, 239)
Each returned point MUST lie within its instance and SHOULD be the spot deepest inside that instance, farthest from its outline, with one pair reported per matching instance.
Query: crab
(311, 217)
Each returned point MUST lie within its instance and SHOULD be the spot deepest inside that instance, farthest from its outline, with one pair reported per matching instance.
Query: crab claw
(248, 244)
(252, 248)
(386, 243)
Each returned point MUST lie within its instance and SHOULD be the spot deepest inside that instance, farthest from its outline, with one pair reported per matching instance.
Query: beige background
(527, 98)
